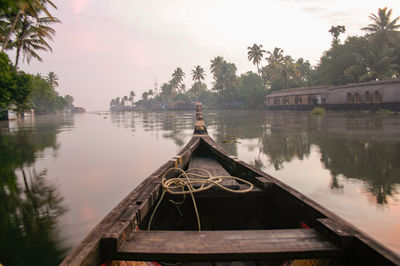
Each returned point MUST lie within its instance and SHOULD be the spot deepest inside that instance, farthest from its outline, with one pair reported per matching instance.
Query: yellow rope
(183, 184)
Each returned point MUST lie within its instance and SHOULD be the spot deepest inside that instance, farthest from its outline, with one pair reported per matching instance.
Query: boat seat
(226, 245)
(215, 168)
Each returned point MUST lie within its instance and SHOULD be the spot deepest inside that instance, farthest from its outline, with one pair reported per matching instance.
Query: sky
(103, 49)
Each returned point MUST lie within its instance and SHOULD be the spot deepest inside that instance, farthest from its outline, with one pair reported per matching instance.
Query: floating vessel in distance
(205, 207)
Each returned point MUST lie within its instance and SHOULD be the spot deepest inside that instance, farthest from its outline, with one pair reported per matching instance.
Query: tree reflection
(124, 119)
(28, 224)
(229, 127)
(347, 147)
(179, 126)
(355, 146)
(284, 147)
(369, 161)
(30, 204)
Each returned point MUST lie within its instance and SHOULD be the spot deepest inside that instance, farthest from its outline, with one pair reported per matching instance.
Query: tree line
(27, 91)
(374, 56)
(26, 29)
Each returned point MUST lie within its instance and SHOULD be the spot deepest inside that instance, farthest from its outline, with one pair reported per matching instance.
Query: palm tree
(30, 8)
(255, 54)
(177, 77)
(117, 101)
(182, 88)
(167, 90)
(276, 57)
(288, 69)
(216, 63)
(131, 97)
(31, 36)
(304, 70)
(379, 63)
(382, 22)
(145, 96)
(52, 79)
(198, 73)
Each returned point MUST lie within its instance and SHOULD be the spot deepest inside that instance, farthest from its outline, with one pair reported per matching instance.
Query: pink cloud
(78, 5)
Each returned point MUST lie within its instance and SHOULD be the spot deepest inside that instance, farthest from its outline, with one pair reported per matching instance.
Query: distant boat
(252, 218)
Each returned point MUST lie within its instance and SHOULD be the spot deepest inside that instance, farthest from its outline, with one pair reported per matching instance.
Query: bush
(318, 111)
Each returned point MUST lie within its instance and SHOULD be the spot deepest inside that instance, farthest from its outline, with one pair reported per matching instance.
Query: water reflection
(125, 120)
(176, 125)
(369, 161)
(111, 154)
(356, 146)
(362, 147)
(30, 204)
(29, 220)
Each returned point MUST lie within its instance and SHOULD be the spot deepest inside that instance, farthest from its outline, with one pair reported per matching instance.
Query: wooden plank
(226, 245)
(255, 192)
(215, 168)
(338, 233)
(264, 183)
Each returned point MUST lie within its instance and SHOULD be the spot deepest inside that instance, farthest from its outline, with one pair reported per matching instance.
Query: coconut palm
(32, 36)
(167, 90)
(145, 96)
(52, 79)
(177, 77)
(198, 73)
(382, 22)
(276, 56)
(216, 63)
(255, 54)
(31, 8)
(288, 69)
(380, 64)
(131, 97)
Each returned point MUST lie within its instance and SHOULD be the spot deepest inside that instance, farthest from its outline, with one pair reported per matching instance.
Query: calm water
(60, 175)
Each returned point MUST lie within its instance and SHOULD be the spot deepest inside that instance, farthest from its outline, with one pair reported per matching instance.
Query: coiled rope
(184, 184)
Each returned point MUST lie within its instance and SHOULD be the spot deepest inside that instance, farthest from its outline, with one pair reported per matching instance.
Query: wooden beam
(225, 245)
(215, 168)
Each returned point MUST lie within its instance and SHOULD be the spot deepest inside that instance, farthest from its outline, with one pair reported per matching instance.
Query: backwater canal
(60, 175)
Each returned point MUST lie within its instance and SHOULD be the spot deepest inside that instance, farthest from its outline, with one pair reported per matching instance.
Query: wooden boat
(270, 224)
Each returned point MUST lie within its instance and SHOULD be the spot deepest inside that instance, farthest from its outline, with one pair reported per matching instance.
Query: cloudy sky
(104, 49)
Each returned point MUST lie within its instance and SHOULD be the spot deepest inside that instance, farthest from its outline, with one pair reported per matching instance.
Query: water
(60, 175)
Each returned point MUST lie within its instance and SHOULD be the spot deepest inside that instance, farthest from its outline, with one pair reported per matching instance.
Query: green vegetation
(374, 56)
(386, 112)
(318, 111)
(44, 99)
(27, 91)
(370, 57)
(14, 85)
(25, 28)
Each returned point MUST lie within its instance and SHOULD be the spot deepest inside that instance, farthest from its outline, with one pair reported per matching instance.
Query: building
(372, 95)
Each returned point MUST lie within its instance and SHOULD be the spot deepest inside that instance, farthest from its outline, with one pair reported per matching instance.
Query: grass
(386, 112)
(318, 111)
